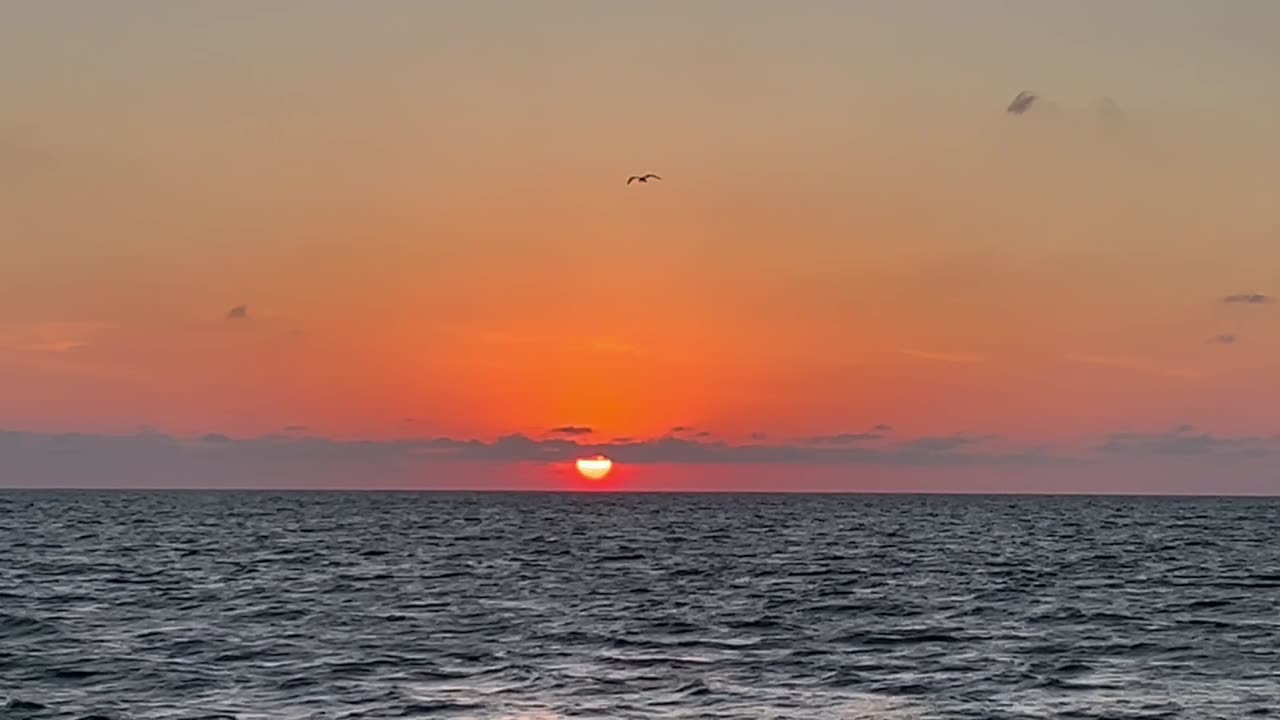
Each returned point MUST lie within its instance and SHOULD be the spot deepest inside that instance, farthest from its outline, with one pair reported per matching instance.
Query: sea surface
(372, 605)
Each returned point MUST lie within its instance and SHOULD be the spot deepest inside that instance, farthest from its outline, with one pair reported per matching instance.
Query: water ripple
(121, 606)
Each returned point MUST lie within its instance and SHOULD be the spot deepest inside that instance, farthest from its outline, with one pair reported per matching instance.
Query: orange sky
(423, 210)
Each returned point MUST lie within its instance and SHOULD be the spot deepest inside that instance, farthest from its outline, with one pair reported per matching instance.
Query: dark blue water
(257, 605)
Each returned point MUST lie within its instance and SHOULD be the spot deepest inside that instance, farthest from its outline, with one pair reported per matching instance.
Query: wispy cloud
(571, 430)
(1186, 440)
(689, 431)
(842, 438)
(850, 438)
(966, 358)
(946, 443)
(53, 337)
(1249, 298)
(1131, 363)
(55, 346)
(1224, 339)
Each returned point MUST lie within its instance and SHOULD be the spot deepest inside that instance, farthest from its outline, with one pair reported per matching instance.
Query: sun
(595, 468)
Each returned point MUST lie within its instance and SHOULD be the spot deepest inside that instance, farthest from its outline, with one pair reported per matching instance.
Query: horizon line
(491, 491)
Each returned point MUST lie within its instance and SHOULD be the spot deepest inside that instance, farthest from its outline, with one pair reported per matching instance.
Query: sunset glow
(428, 237)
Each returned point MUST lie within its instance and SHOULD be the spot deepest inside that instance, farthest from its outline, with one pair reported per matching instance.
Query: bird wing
(651, 175)
(633, 177)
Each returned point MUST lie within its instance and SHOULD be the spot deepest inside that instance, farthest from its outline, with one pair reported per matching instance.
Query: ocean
(249, 605)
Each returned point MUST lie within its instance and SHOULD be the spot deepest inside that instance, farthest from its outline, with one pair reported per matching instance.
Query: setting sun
(595, 468)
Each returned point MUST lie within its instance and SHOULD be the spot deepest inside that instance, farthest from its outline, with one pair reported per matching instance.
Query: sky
(318, 243)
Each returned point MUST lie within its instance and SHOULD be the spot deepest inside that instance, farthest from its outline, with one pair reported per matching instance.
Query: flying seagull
(642, 178)
(1022, 102)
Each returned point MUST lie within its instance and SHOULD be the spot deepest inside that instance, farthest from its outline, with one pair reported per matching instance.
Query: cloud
(759, 436)
(1224, 339)
(967, 358)
(1131, 363)
(239, 312)
(53, 337)
(571, 430)
(1249, 298)
(876, 433)
(294, 429)
(1186, 440)
(1022, 102)
(54, 346)
(842, 438)
(152, 459)
(214, 455)
(690, 431)
(946, 444)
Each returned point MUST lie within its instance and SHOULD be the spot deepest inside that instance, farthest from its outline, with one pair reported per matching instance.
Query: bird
(642, 178)
(1022, 102)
